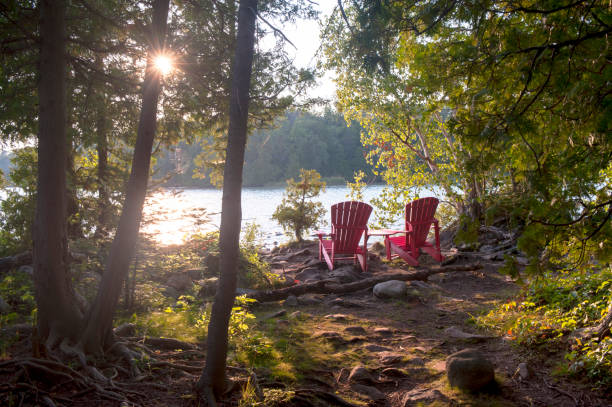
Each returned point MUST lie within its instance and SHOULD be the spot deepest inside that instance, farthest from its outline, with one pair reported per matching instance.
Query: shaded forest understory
(333, 344)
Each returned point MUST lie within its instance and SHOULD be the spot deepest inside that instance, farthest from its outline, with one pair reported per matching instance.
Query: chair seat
(327, 244)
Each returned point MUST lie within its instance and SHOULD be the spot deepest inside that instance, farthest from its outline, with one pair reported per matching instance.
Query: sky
(304, 34)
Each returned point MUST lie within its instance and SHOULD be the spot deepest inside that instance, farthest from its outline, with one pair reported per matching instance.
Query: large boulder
(360, 374)
(208, 287)
(469, 370)
(180, 281)
(390, 289)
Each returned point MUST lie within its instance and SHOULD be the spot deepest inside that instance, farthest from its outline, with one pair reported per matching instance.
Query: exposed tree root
(332, 287)
(37, 381)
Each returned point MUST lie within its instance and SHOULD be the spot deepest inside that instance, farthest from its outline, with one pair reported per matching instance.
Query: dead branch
(165, 343)
(185, 368)
(330, 286)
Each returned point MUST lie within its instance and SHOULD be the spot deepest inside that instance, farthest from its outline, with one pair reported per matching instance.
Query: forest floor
(340, 350)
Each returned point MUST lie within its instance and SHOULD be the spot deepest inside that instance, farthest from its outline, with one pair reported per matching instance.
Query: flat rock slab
(355, 330)
(371, 392)
(390, 358)
(422, 397)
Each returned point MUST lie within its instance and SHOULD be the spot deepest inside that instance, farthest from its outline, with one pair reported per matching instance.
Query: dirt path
(392, 352)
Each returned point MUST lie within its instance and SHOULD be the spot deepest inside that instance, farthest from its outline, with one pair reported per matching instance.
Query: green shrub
(297, 213)
(554, 305)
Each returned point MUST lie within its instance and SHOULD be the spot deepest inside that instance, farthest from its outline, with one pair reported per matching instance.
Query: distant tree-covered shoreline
(322, 142)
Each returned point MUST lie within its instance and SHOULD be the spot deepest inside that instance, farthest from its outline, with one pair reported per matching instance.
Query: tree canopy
(487, 99)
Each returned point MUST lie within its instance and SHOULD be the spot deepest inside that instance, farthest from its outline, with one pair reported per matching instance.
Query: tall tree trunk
(98, 333)
(58, 315)
(212, 380)
(104, 206)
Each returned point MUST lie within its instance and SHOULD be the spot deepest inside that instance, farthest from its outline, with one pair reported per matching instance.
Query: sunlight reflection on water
(172, 215)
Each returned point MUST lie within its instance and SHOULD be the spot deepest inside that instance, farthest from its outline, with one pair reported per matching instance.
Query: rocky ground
(392, 347)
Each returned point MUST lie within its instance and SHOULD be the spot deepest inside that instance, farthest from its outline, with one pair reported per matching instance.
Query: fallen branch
(162, 343)
(330, 286)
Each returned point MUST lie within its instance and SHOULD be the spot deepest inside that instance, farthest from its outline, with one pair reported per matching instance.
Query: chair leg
(328, 260)
(407, 257)
(433, 252)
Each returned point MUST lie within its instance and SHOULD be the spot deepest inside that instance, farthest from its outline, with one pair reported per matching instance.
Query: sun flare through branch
(163, 64)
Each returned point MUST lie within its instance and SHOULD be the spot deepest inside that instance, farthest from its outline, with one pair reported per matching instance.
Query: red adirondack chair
(419, 217)
(349, 223)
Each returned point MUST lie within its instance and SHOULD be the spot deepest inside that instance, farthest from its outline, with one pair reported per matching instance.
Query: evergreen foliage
(297, 213)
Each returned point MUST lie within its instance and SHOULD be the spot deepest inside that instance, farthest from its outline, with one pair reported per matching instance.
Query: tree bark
(58, 315)
(98, 332)
(213, 376)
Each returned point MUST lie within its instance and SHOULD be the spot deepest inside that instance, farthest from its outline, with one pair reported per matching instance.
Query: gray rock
(345, 303)
(180, 281)
(126, 329)
(389, 358)
(360, 374)
(170, 292)
(376, 348)
(393, 372)
(4, 307)
(383, 331)
(332, 337)
(469, 370)
(29, 270)
(276, 314)
(17, 330)
(523, 371)
(296, 315)
(314, 263)
(419, 396)
(212, 265)
(390, 289)
(336, 317)
(355, 330)
(291, 301)
(346, 274)
(208, 287)
(309, 300)
(420, 284)
(195, 274)
(371, 392)
(245, 291)
(486, 248)
(310, 273)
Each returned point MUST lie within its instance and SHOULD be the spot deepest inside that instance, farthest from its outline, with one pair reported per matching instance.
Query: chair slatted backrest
(349, 221)
(420, 214)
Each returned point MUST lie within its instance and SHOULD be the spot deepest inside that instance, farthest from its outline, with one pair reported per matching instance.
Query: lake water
(177, 213)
